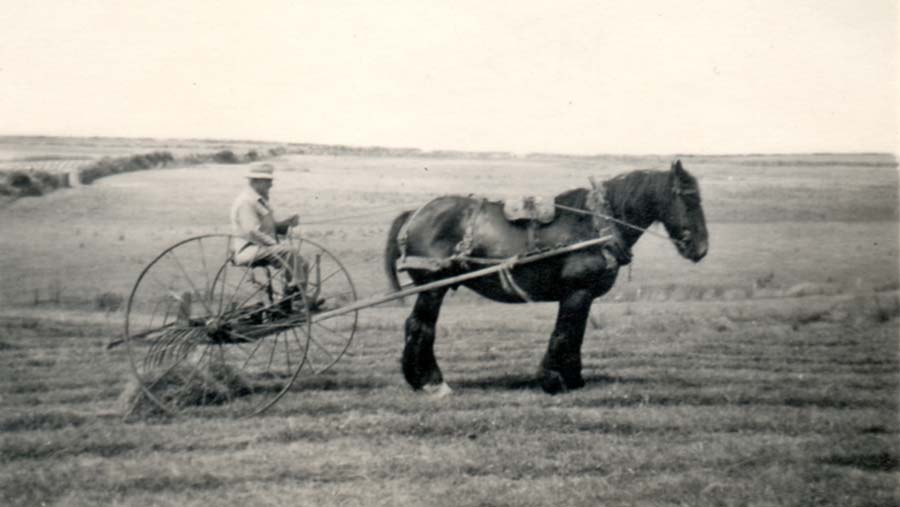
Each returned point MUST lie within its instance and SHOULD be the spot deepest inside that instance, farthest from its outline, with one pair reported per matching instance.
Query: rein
(614, 219)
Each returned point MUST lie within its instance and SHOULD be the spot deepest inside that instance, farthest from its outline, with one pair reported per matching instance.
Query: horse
(450, 231)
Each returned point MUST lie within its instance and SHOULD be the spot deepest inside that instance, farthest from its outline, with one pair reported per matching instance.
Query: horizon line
(450, 150)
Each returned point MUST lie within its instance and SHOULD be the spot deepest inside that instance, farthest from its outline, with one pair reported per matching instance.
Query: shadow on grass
(334, 383)
(877, 462)
(41, 421)
(521, 381)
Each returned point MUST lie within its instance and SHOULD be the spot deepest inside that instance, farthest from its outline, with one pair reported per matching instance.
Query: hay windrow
(182, 387)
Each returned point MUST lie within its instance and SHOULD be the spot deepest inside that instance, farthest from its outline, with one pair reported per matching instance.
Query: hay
(185, 387)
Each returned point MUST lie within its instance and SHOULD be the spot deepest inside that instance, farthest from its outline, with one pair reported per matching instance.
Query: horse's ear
(678, 169)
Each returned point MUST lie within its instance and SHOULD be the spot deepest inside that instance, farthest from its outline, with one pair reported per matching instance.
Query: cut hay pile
(184, 387)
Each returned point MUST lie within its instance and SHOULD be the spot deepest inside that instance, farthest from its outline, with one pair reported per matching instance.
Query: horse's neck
(635, 199)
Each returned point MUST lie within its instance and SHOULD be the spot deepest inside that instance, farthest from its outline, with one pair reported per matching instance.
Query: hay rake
(203, 330)
(196, 320)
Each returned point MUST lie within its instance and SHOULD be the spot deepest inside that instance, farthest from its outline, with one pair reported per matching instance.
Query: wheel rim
(202, 332)
(332, 286)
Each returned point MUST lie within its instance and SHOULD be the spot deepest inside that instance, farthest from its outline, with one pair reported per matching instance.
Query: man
(256, 230)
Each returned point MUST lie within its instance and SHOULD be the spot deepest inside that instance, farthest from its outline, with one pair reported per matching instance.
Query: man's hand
(293, 220)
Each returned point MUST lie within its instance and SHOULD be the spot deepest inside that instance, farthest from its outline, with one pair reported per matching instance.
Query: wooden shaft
(512, 261)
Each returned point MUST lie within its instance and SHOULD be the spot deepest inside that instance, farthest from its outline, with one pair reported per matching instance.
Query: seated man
(257, 231)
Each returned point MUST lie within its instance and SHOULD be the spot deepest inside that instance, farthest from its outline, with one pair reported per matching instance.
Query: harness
(615, 252)
(461, 251)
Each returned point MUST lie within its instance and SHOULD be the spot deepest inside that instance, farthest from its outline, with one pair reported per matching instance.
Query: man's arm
(282, 226)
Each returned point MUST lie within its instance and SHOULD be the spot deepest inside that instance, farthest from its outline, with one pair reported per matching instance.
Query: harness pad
(538, 208)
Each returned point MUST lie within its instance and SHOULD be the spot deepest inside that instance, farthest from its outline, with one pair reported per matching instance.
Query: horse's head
(683, 217)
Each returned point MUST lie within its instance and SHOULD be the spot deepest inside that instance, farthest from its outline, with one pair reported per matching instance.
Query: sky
(566, 76)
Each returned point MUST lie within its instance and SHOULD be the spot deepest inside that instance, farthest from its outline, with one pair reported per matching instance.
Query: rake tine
(186, 345)
(167, 346)
(158, 351)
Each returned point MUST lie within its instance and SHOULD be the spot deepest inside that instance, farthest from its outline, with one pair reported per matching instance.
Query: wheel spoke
(240, 283)
(322, 281)
(322, 348)
(194, 371)
(206, 292)
(229, 260)
(253, 352)
(287, 354)
(272, 354)
(190, 281)
(164, 333)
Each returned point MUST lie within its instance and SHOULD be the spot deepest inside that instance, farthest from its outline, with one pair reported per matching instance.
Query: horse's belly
(537, 282)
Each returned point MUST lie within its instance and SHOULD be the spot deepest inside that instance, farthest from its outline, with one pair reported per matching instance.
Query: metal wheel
(204, 333)
(330, 287)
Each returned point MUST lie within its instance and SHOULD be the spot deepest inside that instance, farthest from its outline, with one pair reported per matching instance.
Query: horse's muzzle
(700, 251)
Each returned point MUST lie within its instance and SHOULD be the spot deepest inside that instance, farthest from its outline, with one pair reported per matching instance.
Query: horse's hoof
(437, 390)
(576, 383)
(553, 383)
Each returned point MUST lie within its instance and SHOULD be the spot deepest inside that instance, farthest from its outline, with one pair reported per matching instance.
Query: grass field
(765, 375)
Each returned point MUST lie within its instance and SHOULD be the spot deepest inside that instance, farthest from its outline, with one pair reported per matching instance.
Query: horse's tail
(392, 250)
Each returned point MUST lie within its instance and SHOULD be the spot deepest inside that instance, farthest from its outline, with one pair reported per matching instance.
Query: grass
(757, 414)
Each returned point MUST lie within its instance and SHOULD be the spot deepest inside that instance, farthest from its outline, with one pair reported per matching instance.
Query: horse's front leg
(561, 367)
(419, 364)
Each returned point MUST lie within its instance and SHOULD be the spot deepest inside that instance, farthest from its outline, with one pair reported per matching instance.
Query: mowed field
(767, 374)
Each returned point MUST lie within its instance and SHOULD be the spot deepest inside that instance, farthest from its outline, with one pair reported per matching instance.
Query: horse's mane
(637, 191)
(626, 191)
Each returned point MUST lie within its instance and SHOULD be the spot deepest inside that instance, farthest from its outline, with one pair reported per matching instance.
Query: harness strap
(403, 234)
(467, 243)
(509, 283)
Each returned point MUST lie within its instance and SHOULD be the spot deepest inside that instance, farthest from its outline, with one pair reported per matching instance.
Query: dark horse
(442, 228)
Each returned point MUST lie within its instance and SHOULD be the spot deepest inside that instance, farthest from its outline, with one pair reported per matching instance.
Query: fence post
(74, 177)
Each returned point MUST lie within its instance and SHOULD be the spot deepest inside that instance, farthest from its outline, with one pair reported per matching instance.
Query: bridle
(595, 213)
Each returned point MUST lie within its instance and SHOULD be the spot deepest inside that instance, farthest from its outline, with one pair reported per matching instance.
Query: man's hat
(261, 172)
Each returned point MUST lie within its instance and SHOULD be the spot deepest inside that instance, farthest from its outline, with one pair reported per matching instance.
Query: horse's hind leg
(561, 367)
(419, 364)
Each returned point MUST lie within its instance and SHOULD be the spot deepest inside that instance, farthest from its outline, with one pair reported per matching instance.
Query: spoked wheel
(202, 331)
(330, 288)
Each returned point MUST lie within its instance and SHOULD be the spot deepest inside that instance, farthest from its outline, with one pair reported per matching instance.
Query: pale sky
(603, 76)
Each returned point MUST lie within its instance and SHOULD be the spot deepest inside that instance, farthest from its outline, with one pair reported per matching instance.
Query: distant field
(832, 225)
(765, 375)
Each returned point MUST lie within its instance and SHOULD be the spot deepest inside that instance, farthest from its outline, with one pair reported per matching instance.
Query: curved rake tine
(158, 351)
(166, 372)
(188, 343)
(156, 348)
